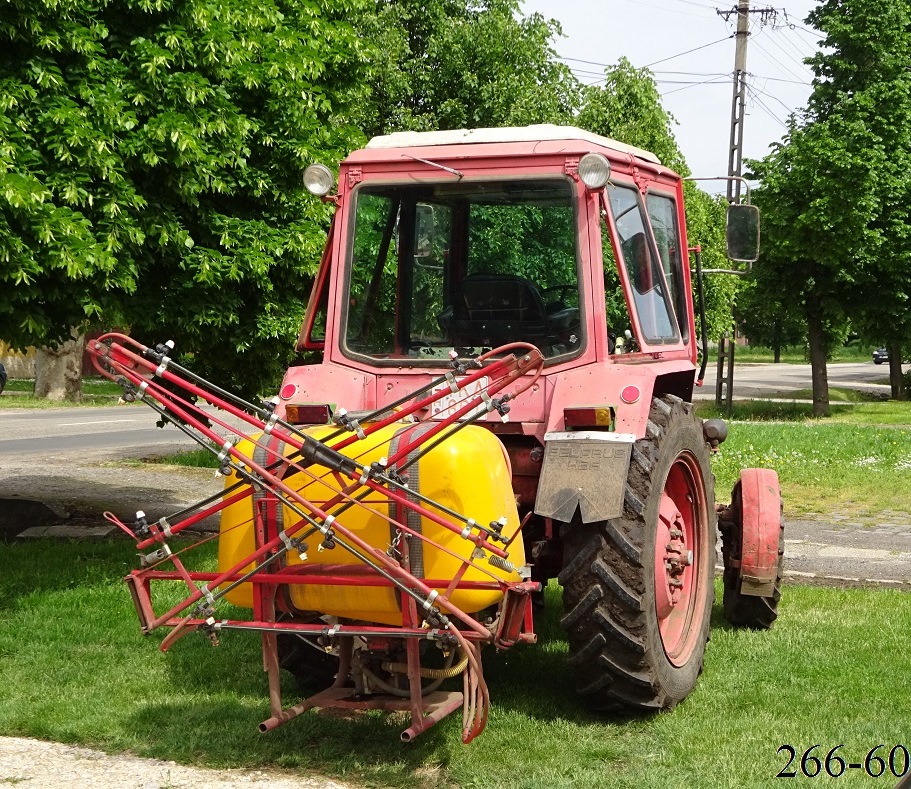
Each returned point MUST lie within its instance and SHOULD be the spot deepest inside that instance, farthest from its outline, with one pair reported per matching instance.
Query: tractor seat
(494, 309)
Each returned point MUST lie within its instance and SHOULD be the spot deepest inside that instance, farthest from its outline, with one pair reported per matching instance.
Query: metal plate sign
(452, 402)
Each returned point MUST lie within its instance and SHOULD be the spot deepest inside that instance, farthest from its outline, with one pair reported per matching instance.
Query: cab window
(466, 266)
(650, 290)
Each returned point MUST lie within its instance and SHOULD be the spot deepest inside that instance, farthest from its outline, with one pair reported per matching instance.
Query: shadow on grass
(36, 566)
(758, 411)
(197, 704)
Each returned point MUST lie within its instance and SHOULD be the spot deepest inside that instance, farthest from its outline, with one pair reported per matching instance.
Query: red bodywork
(594, 376)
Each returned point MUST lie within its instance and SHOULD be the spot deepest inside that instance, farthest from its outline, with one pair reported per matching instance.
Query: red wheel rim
(679, 532)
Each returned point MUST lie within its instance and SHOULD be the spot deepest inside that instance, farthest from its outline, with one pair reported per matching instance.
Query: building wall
(18, 365)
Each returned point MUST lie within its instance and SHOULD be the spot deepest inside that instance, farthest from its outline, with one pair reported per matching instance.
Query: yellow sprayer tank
(468, 472)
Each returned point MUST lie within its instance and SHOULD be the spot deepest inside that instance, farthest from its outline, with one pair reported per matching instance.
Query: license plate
(446, 406)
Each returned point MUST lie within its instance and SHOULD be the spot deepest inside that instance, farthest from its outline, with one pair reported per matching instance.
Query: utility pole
(738, 104)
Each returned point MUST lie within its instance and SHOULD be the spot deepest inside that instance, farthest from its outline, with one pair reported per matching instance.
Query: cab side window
(662, 212)
(649, 287)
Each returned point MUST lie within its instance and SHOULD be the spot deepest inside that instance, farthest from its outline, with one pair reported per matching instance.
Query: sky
(689, 48)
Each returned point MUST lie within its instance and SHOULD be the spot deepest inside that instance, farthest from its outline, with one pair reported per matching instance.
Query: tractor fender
(761, 514)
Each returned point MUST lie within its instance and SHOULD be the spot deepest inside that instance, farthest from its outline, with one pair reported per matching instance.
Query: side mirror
(742, 233)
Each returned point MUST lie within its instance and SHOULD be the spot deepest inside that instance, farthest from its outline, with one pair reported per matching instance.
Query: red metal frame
(426, 613)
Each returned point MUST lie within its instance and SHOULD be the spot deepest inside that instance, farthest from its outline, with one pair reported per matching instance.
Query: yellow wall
(18, 365)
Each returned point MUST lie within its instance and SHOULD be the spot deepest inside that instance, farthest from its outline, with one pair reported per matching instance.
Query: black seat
(494, 309)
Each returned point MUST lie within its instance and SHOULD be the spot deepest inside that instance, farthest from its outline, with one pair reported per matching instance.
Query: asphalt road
(130, 429)
(758, 380)
(62, 431)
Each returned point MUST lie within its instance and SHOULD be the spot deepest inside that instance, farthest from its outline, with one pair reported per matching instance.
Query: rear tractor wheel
(637, 590)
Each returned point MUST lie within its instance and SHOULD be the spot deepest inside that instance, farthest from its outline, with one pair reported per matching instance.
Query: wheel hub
(677, 534)
(672, 557)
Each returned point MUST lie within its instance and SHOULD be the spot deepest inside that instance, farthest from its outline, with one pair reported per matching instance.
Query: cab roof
(506, 134)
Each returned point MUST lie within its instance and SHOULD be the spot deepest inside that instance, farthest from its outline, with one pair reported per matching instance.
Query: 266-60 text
(880, 760)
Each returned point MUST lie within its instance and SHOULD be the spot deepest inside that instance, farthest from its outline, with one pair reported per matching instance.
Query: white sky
(696, 87)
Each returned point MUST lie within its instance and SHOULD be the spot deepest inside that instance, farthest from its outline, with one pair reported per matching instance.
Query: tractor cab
(460, 242)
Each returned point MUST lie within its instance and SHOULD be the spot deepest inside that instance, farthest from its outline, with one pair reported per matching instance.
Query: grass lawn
(798, 354)
(95, 392)
(844, 463)
(73, 668)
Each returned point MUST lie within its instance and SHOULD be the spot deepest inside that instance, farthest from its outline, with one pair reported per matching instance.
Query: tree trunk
(777, 351)
(818, 349)
(896, 379)
(58, 371)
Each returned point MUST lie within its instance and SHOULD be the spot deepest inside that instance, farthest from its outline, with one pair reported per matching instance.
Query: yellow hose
(429, 673)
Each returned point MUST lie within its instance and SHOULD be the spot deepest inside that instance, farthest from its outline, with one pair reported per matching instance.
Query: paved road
(757, 380)
(128, 429)
(62, 431)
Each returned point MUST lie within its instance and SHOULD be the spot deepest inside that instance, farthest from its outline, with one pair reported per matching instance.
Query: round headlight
(594, 170)
(318, 179)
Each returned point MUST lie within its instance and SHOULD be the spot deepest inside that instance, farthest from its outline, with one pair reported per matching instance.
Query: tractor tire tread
(605, 574)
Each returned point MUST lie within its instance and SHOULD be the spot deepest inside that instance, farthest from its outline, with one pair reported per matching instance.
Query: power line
(762, 105)
(779, 79)
(753, 88)
(664, 8)
(776, 61)
(689, 51)
(698, 5)
(786, 53)
(789, 42)
(723, 81)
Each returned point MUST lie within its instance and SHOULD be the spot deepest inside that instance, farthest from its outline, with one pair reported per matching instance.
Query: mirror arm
(742, 180)
(703, 333)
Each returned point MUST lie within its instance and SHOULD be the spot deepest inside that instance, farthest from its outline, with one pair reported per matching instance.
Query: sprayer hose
(429, 673)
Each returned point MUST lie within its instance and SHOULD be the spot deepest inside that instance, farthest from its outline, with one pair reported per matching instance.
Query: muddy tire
(758, 613)
(636, 614)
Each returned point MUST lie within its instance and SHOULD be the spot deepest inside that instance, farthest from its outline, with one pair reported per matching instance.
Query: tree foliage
(150, 168)
(451, 64)
(834, 192)
(151, 151)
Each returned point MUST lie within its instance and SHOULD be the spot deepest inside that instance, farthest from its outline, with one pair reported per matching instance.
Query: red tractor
(507, 330)
(460, 241)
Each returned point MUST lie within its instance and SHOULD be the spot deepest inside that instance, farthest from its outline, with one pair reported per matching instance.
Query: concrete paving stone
(66, 531)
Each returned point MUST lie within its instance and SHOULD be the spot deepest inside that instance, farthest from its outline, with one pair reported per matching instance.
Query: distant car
(880, 355)
(3, 378)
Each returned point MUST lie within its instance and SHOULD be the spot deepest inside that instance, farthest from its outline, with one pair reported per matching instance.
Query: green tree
(865, 59)
(443, 64)
(835, 192)
(815, 241)
(764, 319)
(150, 160)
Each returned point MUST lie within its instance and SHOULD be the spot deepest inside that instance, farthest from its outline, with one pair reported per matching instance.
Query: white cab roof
(542, 131)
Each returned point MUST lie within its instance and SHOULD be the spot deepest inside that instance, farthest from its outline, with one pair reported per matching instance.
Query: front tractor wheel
(752, 544)
(637, 590)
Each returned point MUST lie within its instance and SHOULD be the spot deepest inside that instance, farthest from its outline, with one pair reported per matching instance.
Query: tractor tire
(750, 611)
(312, 667)
(636, 641)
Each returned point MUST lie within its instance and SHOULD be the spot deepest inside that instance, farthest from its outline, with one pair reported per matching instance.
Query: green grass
(95, 392)
(836, 395)
(797, 354)
(194, 458)
(73, 668)
(842, 464)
